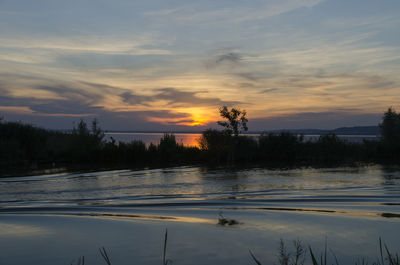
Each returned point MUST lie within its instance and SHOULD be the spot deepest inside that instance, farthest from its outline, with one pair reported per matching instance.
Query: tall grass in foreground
(287, 258)
(298, 258)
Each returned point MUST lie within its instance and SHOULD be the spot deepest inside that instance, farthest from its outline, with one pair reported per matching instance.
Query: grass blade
(165, 246)
(380, 248)
(254, 258)
(326, 243)
(334, 255)
(103, 253)
(314, 261)
(390, 258)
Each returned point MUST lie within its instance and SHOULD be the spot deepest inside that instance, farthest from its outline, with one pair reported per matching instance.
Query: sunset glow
(169, 66)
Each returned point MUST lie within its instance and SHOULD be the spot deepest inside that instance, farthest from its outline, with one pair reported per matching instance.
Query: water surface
(55, 218)
(191, 139)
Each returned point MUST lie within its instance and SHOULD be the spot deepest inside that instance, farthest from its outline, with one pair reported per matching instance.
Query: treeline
(24, 146)
(287, 149)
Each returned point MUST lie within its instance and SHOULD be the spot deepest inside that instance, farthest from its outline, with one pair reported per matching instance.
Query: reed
(81, 261)
(285, 258)
(104, 254)
(165, 262)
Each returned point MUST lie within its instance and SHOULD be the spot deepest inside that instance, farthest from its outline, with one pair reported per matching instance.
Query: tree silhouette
(236, 120)
(390, 126)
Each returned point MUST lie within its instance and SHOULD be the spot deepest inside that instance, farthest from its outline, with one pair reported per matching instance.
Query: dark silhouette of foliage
(23, 146)
(390, 131)
(331, 150)
(282, 147)
(390, 126)
(97, 132)
(236, 120)
(168, 148)
(245, 149)
(86, 144)
(216, 145)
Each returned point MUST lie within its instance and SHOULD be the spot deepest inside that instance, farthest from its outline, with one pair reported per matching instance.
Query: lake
(191, 139)
(188, 139)
(54, 219)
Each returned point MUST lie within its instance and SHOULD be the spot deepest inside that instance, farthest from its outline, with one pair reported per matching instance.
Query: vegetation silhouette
(298, 256)
(24, 147)
(226, 146)
(390, 132)
(236, 120)
(386, 257)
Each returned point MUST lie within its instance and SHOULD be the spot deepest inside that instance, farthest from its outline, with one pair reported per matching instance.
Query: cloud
(141, 44)
(229, 57)
(278, 56)
(222, 12)
(316, 120)
(376, 21)
(379, 82)
(249, 76)
(224, 58)
(88, 52)
(159, 107)
(47, 97)
(64, 107)
(96, 61)
(109, 120)
(77, 93)
(246, 85)
(134, 99)
(178, 97)
(269, 90)
(174, 98)
(51, 106)
(84, 99)
(163, 113)
(180, 122)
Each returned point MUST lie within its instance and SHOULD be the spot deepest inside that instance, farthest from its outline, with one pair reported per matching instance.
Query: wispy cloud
(144, 59)
(211, 12)
(229, 57)
(174, 98)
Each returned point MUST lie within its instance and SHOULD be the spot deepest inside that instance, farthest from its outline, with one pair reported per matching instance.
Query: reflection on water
(374, 189)
(188, 139)
(183, 219)
(128, 211)
(191, 139)
(21, 230)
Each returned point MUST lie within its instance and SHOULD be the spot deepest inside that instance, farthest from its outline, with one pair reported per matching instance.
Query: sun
(198, 117)
(192, 117)
(196, 122)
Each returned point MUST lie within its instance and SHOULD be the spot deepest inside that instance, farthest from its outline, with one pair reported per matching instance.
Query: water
(188, 139)
(53, 219)
(191, 139)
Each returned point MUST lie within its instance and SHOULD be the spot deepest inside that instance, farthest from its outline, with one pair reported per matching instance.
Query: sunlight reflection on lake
(187, 139)
(191, 139)
(128, 211)
(21, 230)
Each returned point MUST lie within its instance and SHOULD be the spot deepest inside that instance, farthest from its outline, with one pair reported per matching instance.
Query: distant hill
(356, 130)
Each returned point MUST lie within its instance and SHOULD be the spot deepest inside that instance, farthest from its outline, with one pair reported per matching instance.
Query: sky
(170, 64)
